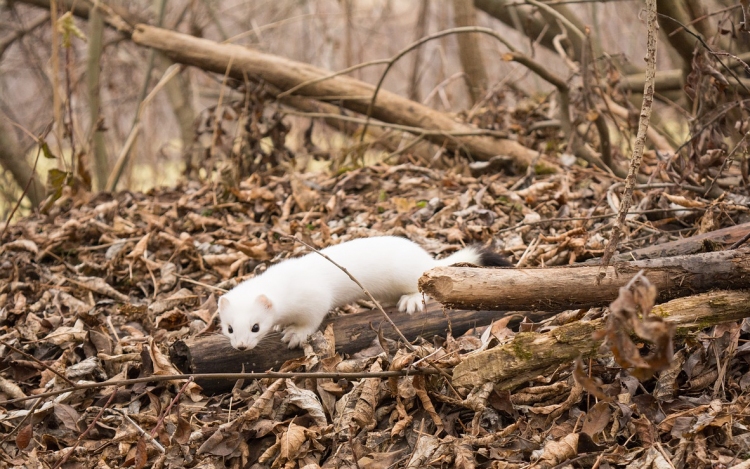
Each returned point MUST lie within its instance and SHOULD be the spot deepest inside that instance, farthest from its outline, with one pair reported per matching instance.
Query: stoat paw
(411, 303)
(295, 336)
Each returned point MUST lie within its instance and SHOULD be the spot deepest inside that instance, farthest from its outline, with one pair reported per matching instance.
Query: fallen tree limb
(353, 332)
(713, 241)
(571, 287)
(671, 80)
(353, 94)
(530, 353)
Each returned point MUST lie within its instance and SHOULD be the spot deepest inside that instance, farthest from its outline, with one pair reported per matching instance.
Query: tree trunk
(469, 52)
(572, 287)
(14, 161)
(99, 160)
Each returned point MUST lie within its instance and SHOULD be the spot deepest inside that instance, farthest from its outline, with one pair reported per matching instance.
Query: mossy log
(529, 354)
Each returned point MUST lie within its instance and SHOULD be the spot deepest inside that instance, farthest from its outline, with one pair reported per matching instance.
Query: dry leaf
(24, 435)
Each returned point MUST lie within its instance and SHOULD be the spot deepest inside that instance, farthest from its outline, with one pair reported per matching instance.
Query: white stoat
(296, 294)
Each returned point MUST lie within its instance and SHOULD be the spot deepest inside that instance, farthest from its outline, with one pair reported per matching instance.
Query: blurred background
(84, 118)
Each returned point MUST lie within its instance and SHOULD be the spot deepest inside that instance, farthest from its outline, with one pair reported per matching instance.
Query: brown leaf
(305, 197)
(141, 453)
(624, 318)
(597, 419)
(419, 387)
(221, 443)
(67, 415)
(590, 385)
(291, 441)
(140, 248)
(182, 431)
(364, 410)
(23, 438)
(307, 400)
(464, 454)
(556, 452)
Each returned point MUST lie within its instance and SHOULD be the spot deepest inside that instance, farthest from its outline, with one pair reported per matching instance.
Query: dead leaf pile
(97, 288)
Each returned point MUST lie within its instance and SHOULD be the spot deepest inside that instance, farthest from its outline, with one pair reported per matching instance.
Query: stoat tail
(475, 255)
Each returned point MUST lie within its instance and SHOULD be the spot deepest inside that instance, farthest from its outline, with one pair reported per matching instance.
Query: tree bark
(571, 287)
(670, 80)
(13, 160)
(529, 353)
(708, 242)
(683, 42)
(353, 333)
(99, 160)
(469, 51)
(355, 95)
(419, 32)
(534, 26)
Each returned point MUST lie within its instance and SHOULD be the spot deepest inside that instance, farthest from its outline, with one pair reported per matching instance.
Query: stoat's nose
(241, 347)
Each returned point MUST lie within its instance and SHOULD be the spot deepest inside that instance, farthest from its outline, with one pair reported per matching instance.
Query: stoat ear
(223, 303)
(263, 299)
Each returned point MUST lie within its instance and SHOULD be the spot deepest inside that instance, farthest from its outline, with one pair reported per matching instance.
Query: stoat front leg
(411, 302)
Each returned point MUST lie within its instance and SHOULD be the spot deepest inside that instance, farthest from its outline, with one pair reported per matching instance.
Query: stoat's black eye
(229, 328)
(256, 328)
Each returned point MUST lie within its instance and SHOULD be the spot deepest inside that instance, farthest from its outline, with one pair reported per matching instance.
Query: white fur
(295, 295)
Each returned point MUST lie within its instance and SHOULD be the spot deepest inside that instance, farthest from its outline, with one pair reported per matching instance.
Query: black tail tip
(489, 258)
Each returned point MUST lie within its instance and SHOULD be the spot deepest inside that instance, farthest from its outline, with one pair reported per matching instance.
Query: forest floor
(94, 291)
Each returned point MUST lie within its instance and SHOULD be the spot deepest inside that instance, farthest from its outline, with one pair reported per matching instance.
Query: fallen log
(353, 333)
(572, 287)
(530, 353)
(353, 94)
(712, 241)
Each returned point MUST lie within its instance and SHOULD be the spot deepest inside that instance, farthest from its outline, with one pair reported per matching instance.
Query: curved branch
(516, 56)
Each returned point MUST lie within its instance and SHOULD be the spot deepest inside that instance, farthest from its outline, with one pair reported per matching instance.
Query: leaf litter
(98, 287)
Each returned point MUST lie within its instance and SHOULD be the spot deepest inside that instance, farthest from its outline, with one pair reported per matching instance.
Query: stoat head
(246, 324)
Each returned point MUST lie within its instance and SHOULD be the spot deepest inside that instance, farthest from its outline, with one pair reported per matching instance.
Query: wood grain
(572, 287)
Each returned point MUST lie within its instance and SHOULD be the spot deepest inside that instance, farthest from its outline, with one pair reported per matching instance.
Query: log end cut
(436, 285)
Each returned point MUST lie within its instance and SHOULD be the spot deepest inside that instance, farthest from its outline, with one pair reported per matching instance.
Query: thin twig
(224, 377)
(217, 117)
(290, 91)
(640, 140)
(86, 432)
(36, 360)
(140, 430)
(26, 417)
(7, 41)
(517, 56)
(708, 48)
(597, 217)
(560, 17)
(406, 128)
(169, 407)
(124, 156)
(725, 163)
(740, 242)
